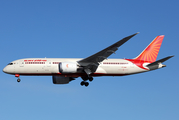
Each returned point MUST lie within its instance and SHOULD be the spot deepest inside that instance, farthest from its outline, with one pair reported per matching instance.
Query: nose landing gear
(17, 75)
(18, 80)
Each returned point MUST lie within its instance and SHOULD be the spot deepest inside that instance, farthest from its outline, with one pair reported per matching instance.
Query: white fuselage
(50, 66)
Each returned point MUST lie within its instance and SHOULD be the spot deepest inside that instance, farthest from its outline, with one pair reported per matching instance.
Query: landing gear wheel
(90, 79)
(86, 84)
(18, 80)
(82, 83)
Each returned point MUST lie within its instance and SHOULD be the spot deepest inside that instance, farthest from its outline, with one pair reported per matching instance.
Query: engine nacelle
(67, 67)
(61, 80)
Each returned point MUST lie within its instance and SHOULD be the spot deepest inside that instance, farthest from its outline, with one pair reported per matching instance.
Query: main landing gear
(84, 83)
(17, 75)
(85, 79)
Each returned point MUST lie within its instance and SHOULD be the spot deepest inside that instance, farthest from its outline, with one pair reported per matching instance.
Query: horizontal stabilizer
(160, 61)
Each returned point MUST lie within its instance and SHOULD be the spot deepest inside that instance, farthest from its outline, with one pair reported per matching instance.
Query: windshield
(10, 64)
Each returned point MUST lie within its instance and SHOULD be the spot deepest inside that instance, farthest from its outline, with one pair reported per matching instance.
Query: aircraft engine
(61, 80)
(67, 67)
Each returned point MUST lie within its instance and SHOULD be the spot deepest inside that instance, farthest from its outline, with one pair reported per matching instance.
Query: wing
(103, 54)
(91, 63)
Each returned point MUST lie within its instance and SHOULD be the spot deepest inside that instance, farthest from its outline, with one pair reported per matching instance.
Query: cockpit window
(10, 64)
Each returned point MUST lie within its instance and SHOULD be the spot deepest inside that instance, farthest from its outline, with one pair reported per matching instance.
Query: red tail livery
(151, 51)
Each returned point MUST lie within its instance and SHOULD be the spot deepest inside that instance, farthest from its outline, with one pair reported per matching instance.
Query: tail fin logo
(151, 51)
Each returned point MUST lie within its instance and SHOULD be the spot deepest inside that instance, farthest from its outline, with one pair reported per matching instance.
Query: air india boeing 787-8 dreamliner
(64, 70)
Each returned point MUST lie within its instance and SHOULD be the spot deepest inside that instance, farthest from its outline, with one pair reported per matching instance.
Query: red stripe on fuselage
(70, 74)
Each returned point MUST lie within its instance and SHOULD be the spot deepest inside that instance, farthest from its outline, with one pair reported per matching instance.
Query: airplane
(65, 70)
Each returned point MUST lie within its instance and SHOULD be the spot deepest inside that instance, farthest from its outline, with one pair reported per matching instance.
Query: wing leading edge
(91, 63)
(105, 53)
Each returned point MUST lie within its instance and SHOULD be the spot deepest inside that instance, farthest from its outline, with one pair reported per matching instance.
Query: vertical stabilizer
(151, 51)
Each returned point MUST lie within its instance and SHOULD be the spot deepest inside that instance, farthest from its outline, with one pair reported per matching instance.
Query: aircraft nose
(9, 69)
(5, 70)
